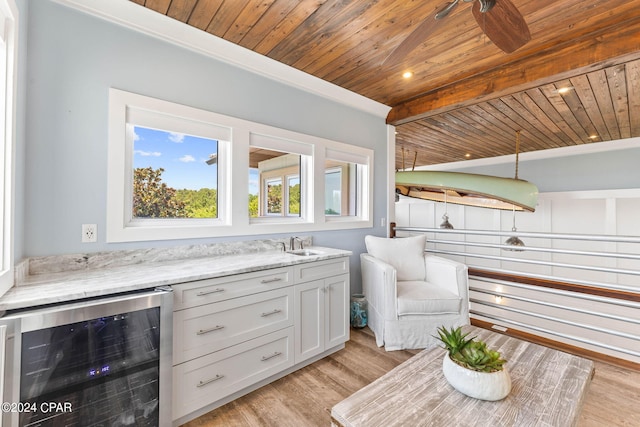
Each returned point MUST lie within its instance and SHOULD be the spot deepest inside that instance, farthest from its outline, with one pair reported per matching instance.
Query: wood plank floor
(305, 397)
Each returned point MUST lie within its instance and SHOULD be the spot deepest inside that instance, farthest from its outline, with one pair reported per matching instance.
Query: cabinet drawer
(201, 330)
(223, 288)
(210, 378)
(320, 269)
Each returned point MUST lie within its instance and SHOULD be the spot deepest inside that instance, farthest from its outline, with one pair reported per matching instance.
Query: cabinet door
(309, 307)
(337, 310)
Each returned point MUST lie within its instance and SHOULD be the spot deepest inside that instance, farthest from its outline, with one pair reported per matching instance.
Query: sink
(304, 252)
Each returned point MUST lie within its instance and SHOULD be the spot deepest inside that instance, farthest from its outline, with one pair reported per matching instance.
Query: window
(174, 175)
(346, 178)
(167, 177)
(292, 199)
(332, 191)
(8, 55)
(341, 188)
(274, 197)
(170, 175)
(279, 178)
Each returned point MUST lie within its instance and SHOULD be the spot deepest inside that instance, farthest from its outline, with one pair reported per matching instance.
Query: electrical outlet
(89, 233)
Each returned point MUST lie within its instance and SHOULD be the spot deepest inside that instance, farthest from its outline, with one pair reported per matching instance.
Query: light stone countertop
(66, 286)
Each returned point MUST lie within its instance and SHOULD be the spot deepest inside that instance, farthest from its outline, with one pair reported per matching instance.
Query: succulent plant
(469, 352)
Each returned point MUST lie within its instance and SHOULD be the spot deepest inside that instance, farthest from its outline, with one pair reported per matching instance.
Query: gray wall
(72, 61)
(606, 170)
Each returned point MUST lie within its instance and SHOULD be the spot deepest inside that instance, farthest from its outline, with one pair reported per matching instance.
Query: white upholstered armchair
(410, 293)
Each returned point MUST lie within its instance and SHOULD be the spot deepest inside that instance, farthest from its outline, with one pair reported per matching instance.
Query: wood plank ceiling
(466, 98)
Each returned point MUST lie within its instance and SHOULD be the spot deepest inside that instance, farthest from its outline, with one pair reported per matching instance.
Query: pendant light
(515, 240)
(446, 224)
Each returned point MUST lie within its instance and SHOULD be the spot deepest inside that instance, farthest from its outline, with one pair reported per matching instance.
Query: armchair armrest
(448, 274)
(379, 285)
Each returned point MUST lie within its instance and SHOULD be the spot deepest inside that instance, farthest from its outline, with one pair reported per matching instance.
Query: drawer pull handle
(276, 354)
(209, 381)
(275, 279)
(206, 331)
(215, 291)
(276, 311)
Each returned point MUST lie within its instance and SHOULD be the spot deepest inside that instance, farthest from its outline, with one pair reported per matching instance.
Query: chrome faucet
(292, 243)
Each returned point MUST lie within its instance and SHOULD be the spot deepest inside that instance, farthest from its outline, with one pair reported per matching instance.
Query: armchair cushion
(417, 297)
(405, 254)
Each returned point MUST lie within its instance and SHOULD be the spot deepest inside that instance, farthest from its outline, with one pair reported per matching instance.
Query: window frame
(233, 208)
(9, 38)
(127, 110)
(130, 172)
(268, 182)
(287, 195)
(290, 143)
(363, 183)
(340, 170)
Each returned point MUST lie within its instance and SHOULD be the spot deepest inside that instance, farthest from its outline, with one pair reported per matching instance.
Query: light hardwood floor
(305, 397)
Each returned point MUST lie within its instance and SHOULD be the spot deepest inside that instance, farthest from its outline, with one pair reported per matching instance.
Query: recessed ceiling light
(564, 89)
(407, 74)
(593, 136)
(467, 156)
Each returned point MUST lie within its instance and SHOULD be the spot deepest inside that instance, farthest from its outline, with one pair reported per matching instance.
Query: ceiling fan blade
(419, 35)
(447, 10)
(503, 24)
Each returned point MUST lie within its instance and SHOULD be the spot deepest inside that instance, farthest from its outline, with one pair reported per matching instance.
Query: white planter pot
(480, 385)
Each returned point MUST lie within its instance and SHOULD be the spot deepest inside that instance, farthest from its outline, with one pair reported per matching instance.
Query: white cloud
(136, 137)
(176, 137)
(187, 158)
(148, 153)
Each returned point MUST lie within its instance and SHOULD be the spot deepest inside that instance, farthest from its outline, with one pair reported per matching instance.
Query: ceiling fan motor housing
(486, 5)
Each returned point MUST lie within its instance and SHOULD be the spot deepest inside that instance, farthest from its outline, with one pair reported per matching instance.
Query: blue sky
(183, 158)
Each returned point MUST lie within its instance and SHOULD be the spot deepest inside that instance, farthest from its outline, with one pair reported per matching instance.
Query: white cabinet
(321, 315)
(321, 306)
(235, 333)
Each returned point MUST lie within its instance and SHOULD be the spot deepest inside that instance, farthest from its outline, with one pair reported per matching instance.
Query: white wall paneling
(589, 240)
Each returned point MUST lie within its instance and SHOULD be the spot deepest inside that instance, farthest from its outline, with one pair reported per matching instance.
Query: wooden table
(548, 388)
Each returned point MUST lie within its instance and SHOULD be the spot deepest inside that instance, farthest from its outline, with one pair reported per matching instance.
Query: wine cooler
(90, 363)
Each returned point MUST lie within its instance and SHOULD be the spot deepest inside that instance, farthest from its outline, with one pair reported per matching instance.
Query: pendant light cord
(517, 150)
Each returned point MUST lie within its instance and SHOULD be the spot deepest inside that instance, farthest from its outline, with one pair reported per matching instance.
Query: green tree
(294, 199)
(152, 198)
(202, 203)
(253, 205)
(274, 199)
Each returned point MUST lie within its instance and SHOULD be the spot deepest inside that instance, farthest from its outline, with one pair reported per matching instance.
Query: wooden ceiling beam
(610, 46)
